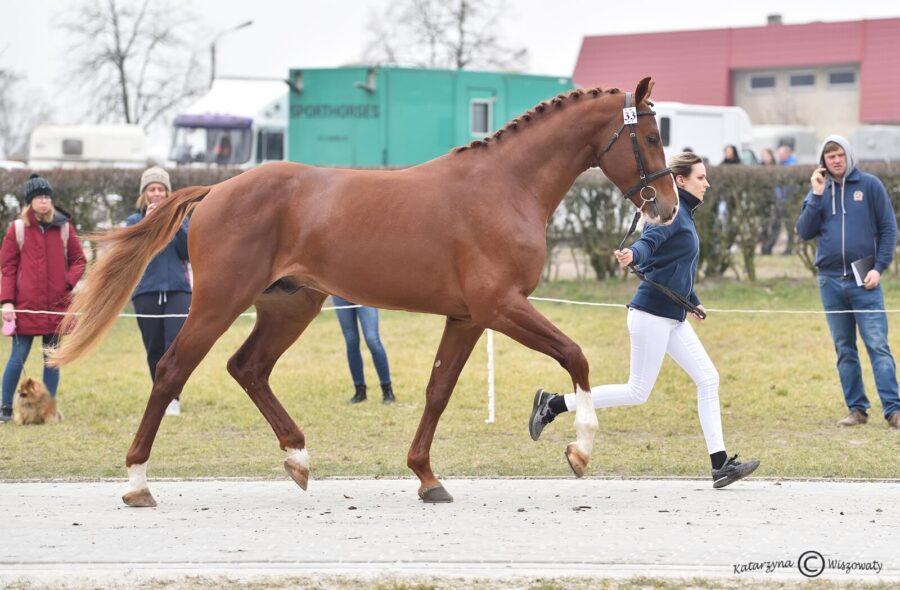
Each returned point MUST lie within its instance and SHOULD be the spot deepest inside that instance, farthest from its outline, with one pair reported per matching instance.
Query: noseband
(630, 116)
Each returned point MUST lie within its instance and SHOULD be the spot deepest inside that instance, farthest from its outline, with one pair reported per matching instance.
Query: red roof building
(835, 75)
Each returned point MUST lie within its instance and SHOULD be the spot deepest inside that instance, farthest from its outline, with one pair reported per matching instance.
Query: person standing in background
(731, 155)
(786, 156)
(165, 288)
(850, 215)
(42, 261)
(351, 318)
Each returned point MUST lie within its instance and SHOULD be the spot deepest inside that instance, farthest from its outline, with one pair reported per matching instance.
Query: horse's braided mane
(536, 111)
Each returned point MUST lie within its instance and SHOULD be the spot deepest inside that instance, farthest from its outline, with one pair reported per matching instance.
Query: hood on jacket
(848, 151)
(60, 216)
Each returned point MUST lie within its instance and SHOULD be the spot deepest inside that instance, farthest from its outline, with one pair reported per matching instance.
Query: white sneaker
(174, 408)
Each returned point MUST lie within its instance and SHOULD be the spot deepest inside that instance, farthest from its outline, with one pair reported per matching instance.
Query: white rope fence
(490, 333)
(249, 314)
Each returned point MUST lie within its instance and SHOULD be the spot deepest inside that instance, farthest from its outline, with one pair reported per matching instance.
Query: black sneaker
(732, 471)
(5, 414)
(541, 414)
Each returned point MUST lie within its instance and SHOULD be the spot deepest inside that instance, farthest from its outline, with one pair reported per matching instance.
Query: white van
(87, 146)
(240, 122)
(801, 139)
(705, 129)
(876, 143)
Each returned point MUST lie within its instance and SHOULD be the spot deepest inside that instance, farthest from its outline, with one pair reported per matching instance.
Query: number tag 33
(630, 115)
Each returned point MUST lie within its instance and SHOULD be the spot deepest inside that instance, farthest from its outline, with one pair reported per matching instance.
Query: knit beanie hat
(155, 174)
(36, 185)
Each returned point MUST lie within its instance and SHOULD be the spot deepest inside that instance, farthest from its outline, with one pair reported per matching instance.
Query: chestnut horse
(462, 236)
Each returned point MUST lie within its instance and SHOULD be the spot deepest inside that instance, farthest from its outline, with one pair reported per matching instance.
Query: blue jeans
(368, 319)
(838, 295)
(21, 346)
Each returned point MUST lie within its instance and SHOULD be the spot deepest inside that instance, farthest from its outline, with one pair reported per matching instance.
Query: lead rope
(676, 297)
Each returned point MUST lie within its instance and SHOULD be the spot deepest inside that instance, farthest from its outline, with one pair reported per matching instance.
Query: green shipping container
(394, 117)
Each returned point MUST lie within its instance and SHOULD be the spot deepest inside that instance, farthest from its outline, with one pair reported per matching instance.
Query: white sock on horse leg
(137, 476)
(299, 457)
(585, 421)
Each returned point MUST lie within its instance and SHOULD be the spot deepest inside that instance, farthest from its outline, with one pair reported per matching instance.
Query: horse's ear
(644, 88)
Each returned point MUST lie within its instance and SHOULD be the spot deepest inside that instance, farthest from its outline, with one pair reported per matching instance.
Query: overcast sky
(327, 33)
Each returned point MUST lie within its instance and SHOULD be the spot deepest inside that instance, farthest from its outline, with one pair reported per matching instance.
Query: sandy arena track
(498, 529)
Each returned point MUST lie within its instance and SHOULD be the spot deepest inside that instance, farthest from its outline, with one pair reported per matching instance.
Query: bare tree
(454, 34)
(20, 112)
(133, 58)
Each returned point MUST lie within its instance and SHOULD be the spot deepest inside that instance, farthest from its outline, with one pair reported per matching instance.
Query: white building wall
(829, 107)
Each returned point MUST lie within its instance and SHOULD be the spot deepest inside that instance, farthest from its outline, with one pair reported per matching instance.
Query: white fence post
(490, 368)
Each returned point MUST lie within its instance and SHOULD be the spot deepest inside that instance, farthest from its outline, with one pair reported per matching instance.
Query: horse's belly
(395, 286)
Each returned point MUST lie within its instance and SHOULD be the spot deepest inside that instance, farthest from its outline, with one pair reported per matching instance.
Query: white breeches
(652, 337)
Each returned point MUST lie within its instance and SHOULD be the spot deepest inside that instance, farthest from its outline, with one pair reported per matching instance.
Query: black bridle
(629, 119)
(630, 116)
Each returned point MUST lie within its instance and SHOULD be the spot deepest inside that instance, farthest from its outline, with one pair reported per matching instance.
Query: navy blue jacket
(668, 254)
(168, 271)
(852, 219)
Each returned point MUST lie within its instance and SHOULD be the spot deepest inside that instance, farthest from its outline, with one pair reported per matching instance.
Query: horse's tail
(113, 278)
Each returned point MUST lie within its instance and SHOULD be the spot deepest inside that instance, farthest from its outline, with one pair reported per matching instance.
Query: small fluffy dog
(34, 405)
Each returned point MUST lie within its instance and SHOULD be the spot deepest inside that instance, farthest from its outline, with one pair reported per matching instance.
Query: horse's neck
(549, 158)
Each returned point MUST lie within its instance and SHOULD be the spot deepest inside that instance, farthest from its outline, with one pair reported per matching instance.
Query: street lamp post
(212, 48)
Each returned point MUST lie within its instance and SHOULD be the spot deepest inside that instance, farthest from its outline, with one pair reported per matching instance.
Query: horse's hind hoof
(298, 473)
(435, 495)
(139, 499)
(577, 460)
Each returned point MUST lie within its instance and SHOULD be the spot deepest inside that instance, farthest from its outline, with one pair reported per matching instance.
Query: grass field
(780, 398)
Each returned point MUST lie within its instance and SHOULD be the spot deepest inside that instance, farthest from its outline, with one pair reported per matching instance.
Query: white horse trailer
(705, 129)
(87, 146)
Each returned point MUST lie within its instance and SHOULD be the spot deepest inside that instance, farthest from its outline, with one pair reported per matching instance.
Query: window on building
(841, 78)
(270, 146)
(665, 125)
(761, 82)
(788, 141)
(801, 80)
(480, 117)
(72, 147)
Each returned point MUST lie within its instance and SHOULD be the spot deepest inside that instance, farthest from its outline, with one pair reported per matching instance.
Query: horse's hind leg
(280, 319)
(206, 322)
(519, 320)
(456, 345)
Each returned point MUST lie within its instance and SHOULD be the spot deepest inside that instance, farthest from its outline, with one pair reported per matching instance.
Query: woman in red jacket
(39, 272)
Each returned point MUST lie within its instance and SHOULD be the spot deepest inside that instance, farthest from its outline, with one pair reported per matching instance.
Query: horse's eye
(652, 139)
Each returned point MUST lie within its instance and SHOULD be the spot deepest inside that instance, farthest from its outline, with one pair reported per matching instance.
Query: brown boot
(854, 418)
(894, 420)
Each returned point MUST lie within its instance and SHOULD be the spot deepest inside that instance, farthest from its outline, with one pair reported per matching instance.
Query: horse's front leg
(456, 345)
(519, 320)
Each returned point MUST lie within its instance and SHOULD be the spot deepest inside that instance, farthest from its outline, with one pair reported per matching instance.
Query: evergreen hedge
(592, 219)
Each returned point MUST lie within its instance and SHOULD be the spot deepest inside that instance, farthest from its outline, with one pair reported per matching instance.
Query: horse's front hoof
(435, 495)
(578, 461)
(298, 473)
(139, 499)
